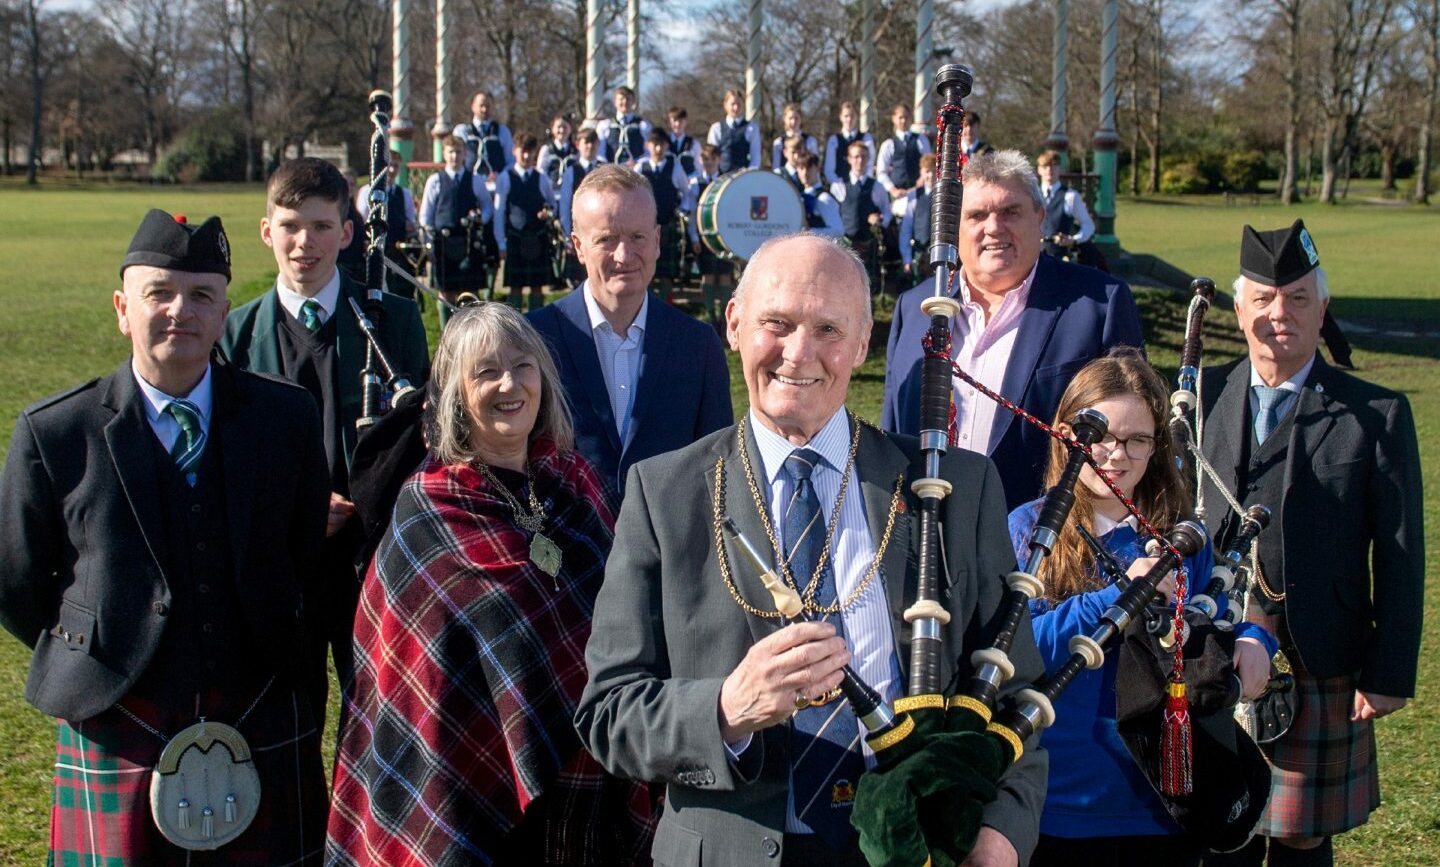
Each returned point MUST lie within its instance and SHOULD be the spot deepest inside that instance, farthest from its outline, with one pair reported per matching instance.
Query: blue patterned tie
(310, 315)
(825, 760)
(1266, 420)
(190, 445)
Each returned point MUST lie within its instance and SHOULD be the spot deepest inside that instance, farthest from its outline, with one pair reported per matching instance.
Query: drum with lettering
(742, 210)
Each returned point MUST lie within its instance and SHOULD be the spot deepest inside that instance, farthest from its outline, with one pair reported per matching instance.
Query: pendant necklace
(544, 553)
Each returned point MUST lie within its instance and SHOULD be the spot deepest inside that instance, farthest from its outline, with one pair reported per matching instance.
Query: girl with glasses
(1100, 807)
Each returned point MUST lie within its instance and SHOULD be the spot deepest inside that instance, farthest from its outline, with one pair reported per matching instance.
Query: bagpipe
(941, 750)
(381, 384)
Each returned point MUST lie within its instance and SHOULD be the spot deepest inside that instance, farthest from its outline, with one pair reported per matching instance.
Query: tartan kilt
(527, 257)
(667, 267)
(100, 813)
(453, 278)
(1324, 776)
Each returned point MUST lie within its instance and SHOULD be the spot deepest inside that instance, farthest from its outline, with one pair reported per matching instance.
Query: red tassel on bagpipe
(1177, 748)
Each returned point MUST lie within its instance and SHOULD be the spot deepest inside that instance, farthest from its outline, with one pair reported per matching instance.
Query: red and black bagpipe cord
(1176, 745)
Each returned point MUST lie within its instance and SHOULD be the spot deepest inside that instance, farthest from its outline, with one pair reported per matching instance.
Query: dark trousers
(1171, 851)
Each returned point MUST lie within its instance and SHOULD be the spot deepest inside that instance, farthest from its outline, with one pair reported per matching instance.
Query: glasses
(1137, 448)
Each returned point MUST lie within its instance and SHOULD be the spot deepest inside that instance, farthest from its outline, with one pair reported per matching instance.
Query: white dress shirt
(619, 361)
(362, 204)
(1292, 386)
(983, 348)
(328, 298)
(877, 194)
(1074, 207)
(777, 149)
(752, 135)
(835, 167)
(502, 196)
(166, 428)
(867, 620)
(678, 179)
(432, 189)
(567, 190)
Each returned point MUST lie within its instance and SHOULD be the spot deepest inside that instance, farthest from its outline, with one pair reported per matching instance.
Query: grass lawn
(60, 248)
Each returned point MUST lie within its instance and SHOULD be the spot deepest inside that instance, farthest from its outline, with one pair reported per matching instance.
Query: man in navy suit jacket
(1028, 322)
(641, 377)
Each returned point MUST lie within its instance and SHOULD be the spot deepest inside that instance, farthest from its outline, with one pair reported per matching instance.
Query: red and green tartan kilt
(1324, 776)
(667, 267)
(100, 814)
(527, 258)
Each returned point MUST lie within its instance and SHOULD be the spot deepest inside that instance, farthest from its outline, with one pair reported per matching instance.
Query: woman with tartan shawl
(470, 635)
(1100, 808)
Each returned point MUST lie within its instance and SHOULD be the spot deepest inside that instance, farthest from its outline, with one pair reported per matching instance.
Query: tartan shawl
(469, 662)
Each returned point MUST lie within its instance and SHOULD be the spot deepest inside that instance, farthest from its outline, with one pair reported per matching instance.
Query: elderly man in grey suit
(1342, 565)
(695, 682)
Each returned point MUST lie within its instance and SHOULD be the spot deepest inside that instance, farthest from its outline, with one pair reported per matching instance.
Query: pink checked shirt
(982, 350)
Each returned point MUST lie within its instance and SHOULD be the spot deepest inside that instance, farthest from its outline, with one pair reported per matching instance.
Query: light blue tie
(190, 445)
(825, 760)
(310, 315)
(1267, 419)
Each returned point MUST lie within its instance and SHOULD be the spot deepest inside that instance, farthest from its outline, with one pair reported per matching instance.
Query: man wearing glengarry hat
(1342, 564)
(159, 530)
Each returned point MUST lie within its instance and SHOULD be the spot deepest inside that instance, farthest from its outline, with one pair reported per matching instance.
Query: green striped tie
(190, 445)
(310, 315)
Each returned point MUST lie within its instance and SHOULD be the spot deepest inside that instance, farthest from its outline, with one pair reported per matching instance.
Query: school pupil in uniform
(524, 202)
(682, 144)
(864, 210)
(488, 143)
(736, 139)
(672, 189)
(1100, 808)
(898, 165)
(557, 150)
(401, 221)
(838, 144)
(915, 224)
(971, 141)
(1068, 226)
(717, 275)
(794, 169)
(455, 210)
(574, 170)
(793, 120)
(822, 212)
(622, 137)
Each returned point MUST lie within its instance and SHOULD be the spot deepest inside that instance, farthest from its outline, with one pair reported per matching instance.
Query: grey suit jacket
(82, 544)
(666, 633)
(1352, 510)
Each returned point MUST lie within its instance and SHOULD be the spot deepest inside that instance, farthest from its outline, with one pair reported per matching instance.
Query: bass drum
(744, 209)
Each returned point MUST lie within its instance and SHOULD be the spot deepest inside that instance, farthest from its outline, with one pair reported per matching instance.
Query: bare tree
(153, 35)
(1289, 13)
(1426, 14)
(1354, 37)
(37, 89)
(236, 23)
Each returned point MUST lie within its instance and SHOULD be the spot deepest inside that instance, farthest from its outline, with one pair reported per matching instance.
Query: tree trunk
(37, 91)
(1309, 163)
(1431, 18)
(1329, 161)
(1288, 177)
(1387, 167)
(1157, 95)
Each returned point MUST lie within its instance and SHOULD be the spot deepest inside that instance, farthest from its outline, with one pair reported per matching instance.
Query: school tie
(825, 759)
(1267, 419)
(190, 445)
(310, 315)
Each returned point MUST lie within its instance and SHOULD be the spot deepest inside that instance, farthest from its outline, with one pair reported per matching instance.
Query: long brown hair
(1162, 496)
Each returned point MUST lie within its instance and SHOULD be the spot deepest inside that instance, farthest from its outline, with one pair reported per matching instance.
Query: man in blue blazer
(641, 377)
(1028, 322)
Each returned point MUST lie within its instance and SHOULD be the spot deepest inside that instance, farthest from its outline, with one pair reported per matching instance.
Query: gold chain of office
(723, 559)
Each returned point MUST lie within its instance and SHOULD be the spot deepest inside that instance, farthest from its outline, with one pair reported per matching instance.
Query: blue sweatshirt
(1096, 789)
